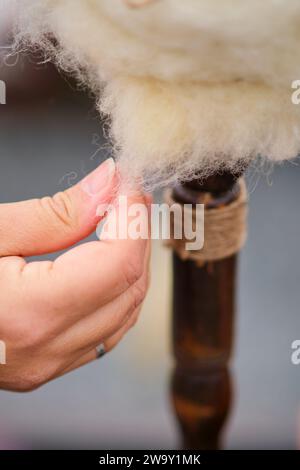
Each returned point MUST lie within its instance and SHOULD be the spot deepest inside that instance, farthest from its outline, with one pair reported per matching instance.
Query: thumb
(50, 224)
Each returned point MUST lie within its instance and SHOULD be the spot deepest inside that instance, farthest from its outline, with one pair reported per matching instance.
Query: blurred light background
(50, 136)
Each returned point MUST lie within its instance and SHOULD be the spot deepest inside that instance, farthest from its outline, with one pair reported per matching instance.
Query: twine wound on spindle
(225, 229)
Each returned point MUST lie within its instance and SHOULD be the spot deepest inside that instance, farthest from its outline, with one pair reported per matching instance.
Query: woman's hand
(54, 314)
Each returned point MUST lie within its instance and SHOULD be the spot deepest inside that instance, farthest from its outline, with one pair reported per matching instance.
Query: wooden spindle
(203, 320)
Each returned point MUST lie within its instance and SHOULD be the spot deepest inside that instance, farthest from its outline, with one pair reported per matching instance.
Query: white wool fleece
(189, 86)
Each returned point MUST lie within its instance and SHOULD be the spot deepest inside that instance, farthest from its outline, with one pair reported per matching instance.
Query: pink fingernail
(100, 179)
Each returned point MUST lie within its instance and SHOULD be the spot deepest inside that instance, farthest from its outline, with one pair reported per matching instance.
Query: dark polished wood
(203, 323)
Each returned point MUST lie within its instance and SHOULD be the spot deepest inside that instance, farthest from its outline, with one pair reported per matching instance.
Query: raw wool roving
(189, 86)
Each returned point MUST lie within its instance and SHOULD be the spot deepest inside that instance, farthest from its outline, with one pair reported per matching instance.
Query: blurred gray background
(50, 136)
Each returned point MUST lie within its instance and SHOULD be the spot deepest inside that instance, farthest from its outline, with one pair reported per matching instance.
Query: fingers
(106, 321)
(80, 282)
(61, 311)
(91, 275)
(88, 334)
(109, 344)
(53, 223)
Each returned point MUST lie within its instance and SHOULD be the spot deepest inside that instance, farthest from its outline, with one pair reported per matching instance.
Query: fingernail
(100, 179)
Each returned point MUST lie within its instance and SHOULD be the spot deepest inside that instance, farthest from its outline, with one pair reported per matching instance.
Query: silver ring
(100, 351)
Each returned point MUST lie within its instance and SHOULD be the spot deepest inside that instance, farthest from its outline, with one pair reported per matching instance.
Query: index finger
(94, 273)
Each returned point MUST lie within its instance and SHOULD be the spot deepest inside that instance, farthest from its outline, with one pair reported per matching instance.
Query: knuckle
(134, 321)
(29, 335)
(15, 330)
(34, 338)
(139, 293)
(132, 269)
(30, 380)
(60, 205)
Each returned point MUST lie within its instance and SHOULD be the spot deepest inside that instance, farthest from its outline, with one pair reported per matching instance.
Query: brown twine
(225, 229)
